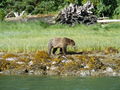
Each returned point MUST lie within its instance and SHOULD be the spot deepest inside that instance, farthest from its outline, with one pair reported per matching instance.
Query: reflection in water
(58, 83)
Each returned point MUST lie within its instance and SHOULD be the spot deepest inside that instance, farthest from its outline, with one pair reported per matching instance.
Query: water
(58, 83)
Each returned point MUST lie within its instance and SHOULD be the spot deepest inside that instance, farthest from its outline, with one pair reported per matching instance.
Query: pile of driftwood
(75, 14)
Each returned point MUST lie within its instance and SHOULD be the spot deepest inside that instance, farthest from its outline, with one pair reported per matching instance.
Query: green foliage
(102, 7)
(44, 7)
(117, 11)
(70, 1)
(2, 3)
(19, 6)
(48, 6)
(2, 14)
(31, 6)
(79, 2)
(106, 7)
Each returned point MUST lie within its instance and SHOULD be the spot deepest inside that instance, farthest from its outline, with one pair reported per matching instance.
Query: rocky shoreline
(86, 63)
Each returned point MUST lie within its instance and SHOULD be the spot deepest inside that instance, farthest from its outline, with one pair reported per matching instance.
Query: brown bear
(61, 43)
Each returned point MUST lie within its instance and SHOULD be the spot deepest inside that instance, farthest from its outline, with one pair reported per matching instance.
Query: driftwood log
(75, 14)
(14, 14)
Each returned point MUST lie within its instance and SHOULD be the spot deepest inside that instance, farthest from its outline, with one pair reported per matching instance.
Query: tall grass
(32, 36)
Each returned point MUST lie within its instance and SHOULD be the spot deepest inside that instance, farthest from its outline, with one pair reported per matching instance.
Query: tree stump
(75, 14)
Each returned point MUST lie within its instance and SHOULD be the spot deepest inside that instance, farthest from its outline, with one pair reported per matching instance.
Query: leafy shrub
(19, 6)
(29, 8)
(2, 14)
(102, 7)
(106, 7)
(46, 6)
(117, 13)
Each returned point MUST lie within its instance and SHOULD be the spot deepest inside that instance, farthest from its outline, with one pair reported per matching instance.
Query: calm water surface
(58, 83)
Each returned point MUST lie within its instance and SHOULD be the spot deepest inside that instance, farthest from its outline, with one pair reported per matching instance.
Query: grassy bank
(32, 36)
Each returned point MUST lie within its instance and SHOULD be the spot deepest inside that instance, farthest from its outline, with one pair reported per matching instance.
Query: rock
(66, 61)
(111, 50)
(52, 73)
(114, 74)
(14, 72)
(97, 73)
(109, 69)
(20, 62)
(54, 62)
(30, 63)
(53, 67)
(2, 53)
(86, 66)
(70, 73)
(84, 73)
(38, 72)
(47, 67)
(93, 70)
(1, 58)
(118, 74)
(11, 59)
(1, 72)
(63, 61)
(31, 72)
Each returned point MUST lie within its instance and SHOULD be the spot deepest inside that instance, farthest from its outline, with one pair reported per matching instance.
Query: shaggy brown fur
(61, 43)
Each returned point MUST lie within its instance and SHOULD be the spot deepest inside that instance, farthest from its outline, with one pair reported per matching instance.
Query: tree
(2, 14)
(106, 7)
(79, 2)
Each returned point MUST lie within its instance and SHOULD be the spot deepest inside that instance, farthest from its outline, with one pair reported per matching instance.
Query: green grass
(33, 36)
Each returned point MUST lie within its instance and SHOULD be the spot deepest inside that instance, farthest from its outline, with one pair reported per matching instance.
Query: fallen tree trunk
(108, 21)
(14, 14)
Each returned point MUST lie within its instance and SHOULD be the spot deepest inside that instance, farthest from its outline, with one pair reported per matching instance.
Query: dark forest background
(109, 8)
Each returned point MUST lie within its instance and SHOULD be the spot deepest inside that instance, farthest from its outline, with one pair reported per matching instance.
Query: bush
(19, 6)
(117, 10)
(106, 7)
(100, 9)
(103, 7)
(2, 14)
(117, 13)
(45, 7)
(29, 8)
